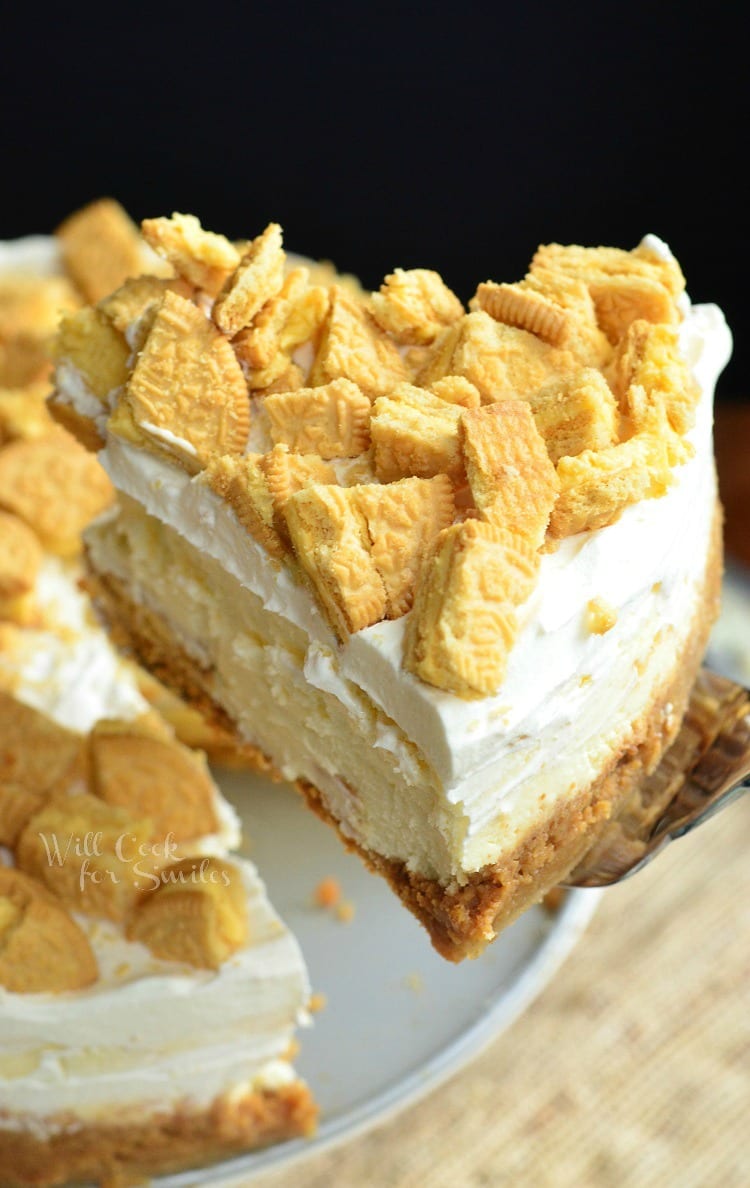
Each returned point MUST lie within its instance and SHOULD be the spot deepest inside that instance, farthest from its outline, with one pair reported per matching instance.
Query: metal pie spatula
(705, 769)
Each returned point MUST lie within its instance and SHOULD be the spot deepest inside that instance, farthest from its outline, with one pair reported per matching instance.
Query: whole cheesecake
(451, 571)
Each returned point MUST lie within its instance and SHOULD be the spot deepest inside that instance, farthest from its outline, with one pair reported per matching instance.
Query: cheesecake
(451, 571)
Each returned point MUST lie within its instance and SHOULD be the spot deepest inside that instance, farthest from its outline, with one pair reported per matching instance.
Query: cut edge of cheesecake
(460, 920)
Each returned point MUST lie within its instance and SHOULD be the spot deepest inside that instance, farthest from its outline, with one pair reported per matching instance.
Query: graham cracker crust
(117, 1155)
(461, 920)
(81, 427)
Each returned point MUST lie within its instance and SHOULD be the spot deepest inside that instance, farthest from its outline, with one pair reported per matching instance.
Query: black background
(455, 138)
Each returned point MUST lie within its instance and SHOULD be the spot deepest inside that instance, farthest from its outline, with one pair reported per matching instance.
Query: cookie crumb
(345, 911)
(554, 900)
(600, 616)
(327, 893)
(414, 982)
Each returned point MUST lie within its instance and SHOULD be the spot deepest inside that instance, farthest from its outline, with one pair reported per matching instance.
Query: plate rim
(563, 935)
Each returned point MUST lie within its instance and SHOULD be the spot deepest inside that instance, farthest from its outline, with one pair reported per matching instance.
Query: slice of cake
(453, 572)
(148, 991)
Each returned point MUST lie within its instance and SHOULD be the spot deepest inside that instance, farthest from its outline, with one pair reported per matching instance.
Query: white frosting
(71, 388)
(151, 1034)
(169, 438)
(68, 669)
(37, 255)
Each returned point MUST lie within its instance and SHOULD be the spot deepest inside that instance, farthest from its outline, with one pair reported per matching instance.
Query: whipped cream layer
(410, 772)
(152, 1035)
(64, 665)
(32, 255)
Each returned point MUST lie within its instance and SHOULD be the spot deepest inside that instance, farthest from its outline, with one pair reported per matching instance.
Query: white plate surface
(399, 1019)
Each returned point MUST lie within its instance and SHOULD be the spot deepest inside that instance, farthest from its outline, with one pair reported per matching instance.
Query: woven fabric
(631, 1070)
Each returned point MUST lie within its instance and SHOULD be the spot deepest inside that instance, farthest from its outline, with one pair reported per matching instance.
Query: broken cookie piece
(597, 485)
(414, 305)
(512, 481)
(257, 278)
(352, 346)
(415, 432)
(152, 776)
(197, 914)
(94, 857)
(332, 421)
(42, 949)
(202, 258)
(463, 624)
(101, 248)
(186, 394)
(55, 486)
(20, 560)
(574, 413)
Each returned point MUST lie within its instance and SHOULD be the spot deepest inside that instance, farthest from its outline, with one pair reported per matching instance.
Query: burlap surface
(631, 1070)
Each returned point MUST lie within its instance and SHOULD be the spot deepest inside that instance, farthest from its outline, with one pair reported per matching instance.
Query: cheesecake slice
(450, 571)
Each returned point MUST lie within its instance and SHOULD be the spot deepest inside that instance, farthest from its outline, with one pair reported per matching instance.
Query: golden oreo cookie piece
(415, 432)
(20, 560)
(258, 277)
(139, 295)
(597, 485)
(55, 486)
(197, 915)
(574, 413)
(242, 484)
(24, 360)
(187, 394)
(501, 361)
(527, 310)
(456, 389)
(20, 557)
(464, 620)
(403, 519)
(650, 356)
(87, 340)
(329, 533)
(42, 950)
(23, 412)
(32, 305)
(332, 421)
(152, 776)
(415, 305)
(17, 805)
(101, 248)
(512, 480)
(36, 753)
(585, 341)
(286, 473)
(259, 343)
(95, 857)
(352, 346)
(204, 259)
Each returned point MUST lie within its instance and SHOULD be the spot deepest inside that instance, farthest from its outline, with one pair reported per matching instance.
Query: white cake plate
(398, 1019)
